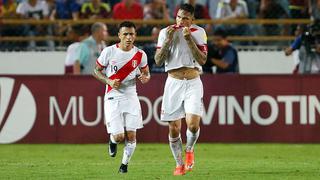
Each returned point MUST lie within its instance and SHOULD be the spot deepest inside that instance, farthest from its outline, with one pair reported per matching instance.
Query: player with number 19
(117, 67)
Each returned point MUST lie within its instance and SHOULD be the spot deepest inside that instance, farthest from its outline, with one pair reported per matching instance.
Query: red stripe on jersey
(117, 45)
(158, 47)
(203, 48)
(100, 64)
(175, 26)
(123, 72)
(193, 29)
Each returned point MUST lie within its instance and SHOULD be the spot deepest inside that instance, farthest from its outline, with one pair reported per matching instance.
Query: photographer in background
(309, 52)
(225, 57)
(295, 45)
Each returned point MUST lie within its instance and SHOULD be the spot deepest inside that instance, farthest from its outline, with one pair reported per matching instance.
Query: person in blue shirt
(227, 61)
(295, 45)
(67, 9)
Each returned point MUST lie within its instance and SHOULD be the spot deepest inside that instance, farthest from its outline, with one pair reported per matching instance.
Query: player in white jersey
(121, 64)
(183, 49)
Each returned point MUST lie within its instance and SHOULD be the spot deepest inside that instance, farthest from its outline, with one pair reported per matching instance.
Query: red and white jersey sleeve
(103, 58)
(144, 60)
(200, 37)
(180, 53)
(112, 58)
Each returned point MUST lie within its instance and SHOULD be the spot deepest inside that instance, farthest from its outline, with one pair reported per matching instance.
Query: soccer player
(122, 63)
(183, 49)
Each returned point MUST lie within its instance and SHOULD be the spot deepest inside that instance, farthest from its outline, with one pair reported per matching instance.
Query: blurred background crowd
(22, 36)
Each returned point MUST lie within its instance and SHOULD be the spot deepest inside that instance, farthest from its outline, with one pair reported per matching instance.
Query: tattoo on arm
(97, 73)
(163, 54)
(200, 57)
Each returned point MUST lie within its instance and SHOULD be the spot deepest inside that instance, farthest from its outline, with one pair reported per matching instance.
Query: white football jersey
(180, 53)
(125, 64)
(71, 56)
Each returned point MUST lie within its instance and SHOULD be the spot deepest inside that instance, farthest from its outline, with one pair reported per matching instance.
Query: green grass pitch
(154, 161)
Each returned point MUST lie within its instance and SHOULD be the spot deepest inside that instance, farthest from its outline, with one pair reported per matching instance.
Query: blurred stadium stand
(17, 42)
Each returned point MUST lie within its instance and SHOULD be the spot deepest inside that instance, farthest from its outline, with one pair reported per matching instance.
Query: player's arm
(76, 67)
(145, 75)
(198, 55)
(228, 58)
(99, 75)
(220, 63)
(163, 53)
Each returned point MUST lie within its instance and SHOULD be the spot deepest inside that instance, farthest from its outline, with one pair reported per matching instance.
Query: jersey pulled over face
(127, 36)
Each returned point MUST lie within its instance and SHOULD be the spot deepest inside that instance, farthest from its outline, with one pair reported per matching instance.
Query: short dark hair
(220, 32)
(187, 7)
(127, 24)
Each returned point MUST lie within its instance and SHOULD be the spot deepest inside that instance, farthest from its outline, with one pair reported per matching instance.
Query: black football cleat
(112, 149)
(123, 168)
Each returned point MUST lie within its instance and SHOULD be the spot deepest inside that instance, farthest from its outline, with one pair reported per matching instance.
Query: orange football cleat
(179, 171)
(189, 160)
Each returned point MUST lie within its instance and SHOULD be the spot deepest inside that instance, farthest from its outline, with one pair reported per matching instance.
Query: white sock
(191, 139)
(176, 149)
(128, 151)
(113, 140)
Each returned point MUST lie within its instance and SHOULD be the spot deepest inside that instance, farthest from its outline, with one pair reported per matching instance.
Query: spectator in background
(66, 9)
(150, 49)
(314, 9)
(156, 9)
(95, 9)
(35, 9)
(298, 10)
(233, 9)
(8, 11)
(76, 34)
(127, 9)
(271, 9)
(212, 8)
(295, 46)
(229, 62)
(90, 49)
(252, 8)
(172, 4)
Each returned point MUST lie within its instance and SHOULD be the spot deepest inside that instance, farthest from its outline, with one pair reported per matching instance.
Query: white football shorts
(122, 114)
(181, 97)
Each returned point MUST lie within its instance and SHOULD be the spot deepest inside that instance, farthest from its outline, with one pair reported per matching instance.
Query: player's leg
(193, 106)
(114, 125)
(132, 123)
(175, 143)
(172, 111)
(113, 143)
(193, 132)
(130, 146)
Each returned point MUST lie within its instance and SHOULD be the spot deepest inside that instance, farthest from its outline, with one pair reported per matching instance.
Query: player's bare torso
(184, 73)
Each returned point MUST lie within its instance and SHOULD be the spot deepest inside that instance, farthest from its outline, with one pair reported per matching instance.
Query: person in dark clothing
(227, 59)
